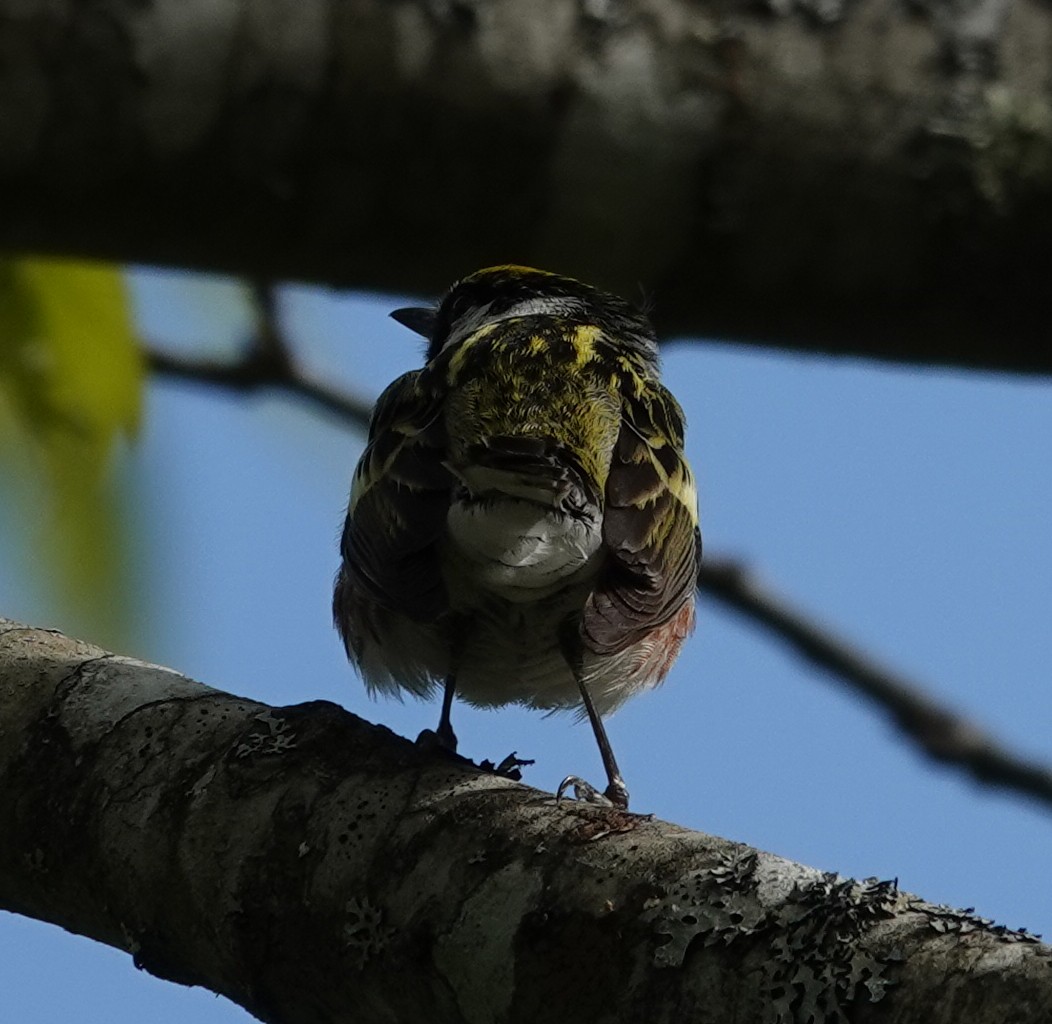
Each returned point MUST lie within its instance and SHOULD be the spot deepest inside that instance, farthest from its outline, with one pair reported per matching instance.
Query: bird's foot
(437, 739)
(615, 795)
(509, 767)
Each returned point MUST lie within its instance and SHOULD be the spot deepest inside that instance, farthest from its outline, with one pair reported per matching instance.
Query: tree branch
(254, 372)
(315, 868)
(853, 178)
(938, 731)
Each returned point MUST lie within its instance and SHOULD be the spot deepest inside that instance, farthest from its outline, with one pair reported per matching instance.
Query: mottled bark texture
(865, 177)
(316, 868)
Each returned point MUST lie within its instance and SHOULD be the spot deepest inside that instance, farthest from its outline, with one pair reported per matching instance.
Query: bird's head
(503, 292)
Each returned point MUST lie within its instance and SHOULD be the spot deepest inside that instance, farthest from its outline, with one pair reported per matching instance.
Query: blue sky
(906, 508)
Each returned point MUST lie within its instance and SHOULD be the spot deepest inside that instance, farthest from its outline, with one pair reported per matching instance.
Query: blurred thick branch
(838, 177)
(315, 868)
(937, 731)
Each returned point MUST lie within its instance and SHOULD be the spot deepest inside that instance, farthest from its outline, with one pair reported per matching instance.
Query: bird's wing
(398, 504)
(650, 528)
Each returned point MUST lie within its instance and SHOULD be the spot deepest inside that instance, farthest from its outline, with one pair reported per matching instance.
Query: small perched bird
(523, 524)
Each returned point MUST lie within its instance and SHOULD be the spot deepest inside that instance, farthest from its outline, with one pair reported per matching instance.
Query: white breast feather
(518, 549)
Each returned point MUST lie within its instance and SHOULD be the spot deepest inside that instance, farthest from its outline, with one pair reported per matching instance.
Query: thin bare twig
(937, 731)
(252, 373)
(267, 361)
(269, 347)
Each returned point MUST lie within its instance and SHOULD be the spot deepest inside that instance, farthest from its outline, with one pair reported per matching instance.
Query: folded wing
(398, 507)
(650, 530)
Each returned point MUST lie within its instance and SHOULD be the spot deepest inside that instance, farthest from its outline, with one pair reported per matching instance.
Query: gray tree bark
(864, 177)
(315, 868)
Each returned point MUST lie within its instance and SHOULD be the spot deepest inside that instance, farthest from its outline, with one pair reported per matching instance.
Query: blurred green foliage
(71, 381)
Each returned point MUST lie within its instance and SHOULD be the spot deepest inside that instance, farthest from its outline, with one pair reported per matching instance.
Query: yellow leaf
(69, 359)
(71, 371)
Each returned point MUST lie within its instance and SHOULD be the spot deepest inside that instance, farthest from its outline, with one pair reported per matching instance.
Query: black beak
(419, 319)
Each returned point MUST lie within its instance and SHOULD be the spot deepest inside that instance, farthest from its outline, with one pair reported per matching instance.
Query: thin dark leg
(616, 791)
(446, 737)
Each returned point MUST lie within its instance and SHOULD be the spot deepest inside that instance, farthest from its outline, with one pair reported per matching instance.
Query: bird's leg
(446, 737)
(616, 790)
(442, 738)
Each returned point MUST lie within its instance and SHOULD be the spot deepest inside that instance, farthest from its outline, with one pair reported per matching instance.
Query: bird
(522, 526)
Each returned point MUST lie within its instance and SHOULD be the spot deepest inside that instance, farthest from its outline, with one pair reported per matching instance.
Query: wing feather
(398, 507)
(650, 528)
